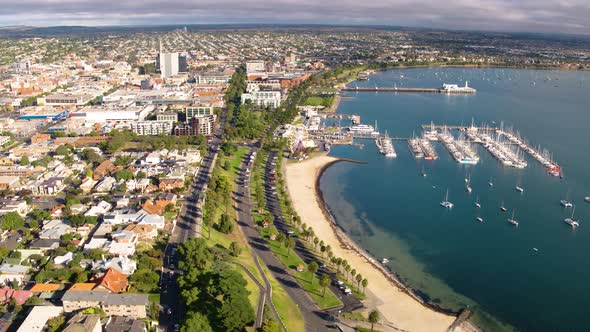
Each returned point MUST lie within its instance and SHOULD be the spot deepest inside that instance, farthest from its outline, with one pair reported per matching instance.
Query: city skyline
(569, 17)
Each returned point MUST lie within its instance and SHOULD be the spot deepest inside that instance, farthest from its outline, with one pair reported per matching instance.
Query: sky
(553, 16)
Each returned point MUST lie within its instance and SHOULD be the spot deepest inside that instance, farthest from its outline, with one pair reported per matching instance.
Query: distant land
(25, 31)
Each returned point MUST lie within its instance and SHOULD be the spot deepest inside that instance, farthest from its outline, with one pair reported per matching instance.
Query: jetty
(446, 89)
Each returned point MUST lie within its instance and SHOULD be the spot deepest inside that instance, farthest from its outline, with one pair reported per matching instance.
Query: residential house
(14, 205)
(84, 323)
(78, 208)
(49, 187)
(42, 287)
(150, 208)
(143, 232)
(44, 244)
(128, 305)
(8, 182)
(64, 259)
(54, 229)
(123, 264)
(124, 236)
(115, 218)
(99, 209)
(154, 220)
(164, 199)
(113, 280)
(83, 286)
(170, 184)
(8, 294)
(104, 169)
(121, 249)
(38, 317)
(10, 273)
(124, 324)
(103, 231)
(96, 243)
(87, 184)
(153, 158)
(105, 185)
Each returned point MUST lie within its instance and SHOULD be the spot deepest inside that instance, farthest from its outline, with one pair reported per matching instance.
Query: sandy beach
(396, 306)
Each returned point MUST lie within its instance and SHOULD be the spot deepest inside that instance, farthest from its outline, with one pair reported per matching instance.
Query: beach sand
(396, 306)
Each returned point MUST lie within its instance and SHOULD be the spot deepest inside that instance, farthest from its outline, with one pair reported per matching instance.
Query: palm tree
(373, 318)
(359, 278)
(324, 282)
(313, 268)
(290, 243)
(347, 268)
(365, 283)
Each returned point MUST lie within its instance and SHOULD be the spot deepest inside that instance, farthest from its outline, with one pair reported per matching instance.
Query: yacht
(480, 219)
(491, 184)
(566, 204)
(423, 172)
(477, 205)
(513, 221)
(385, 261)
(446, 203)
(502, 208)
(519, 189)
(571, 221)
(587, 199)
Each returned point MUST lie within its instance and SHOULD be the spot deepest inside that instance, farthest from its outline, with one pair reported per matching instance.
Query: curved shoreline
(346, 240)
(399, 306)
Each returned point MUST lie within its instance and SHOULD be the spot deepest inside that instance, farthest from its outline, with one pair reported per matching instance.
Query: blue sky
(569, 16)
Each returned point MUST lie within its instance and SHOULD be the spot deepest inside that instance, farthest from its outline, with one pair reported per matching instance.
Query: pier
(446, 89)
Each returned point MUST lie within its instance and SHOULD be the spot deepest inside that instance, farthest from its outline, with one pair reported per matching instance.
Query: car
(172, 266)
(169, 311)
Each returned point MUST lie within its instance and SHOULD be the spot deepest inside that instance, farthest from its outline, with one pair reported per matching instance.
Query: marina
(446, 240)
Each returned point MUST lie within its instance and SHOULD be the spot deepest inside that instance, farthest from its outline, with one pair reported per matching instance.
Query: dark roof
(44, 243)
(93, 295)
(126, 299)
(124, 324)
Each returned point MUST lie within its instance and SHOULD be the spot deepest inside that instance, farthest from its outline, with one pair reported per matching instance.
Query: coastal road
(315, 320)
(349, 302)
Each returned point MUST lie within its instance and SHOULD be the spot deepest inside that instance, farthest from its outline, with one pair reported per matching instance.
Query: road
(188, 225)
(315, 319)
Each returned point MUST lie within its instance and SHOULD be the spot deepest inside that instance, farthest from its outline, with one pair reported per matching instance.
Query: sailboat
(502, 208)
(491, 183)
(468, 185)
(519, 189)
(571, 221)
(446, 203)
(477, 205)
(513, 221)
(480, 219)
(423, 172)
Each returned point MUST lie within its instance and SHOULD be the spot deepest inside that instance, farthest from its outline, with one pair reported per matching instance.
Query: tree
(124, 174)
(373, 318)
(270, 325)
(194, 254)
(227, 165)
(316, 240)
(313, 268)
(226, 225)
(144, 280)
(359, 278)
(324, 282)
(62, 150)
(365, 283)
(12, 221)
(235, 249)
(24, 161)
(33, 224)
(281, 238)
(195, 321)
(236, 312)
(55, 324)
(290, 243)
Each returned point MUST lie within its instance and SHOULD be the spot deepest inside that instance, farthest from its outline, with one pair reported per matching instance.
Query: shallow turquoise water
(394, 212)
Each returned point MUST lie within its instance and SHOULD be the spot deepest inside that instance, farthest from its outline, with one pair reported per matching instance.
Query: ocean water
(453, 260)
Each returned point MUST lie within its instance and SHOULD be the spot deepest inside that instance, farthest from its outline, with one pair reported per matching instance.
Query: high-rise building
(168, 64)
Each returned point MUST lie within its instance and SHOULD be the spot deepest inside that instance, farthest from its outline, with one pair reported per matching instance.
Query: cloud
(568, 16)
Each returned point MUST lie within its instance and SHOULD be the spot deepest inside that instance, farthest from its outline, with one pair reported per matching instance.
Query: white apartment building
(168, 64)
(263, 98)
(151, 128)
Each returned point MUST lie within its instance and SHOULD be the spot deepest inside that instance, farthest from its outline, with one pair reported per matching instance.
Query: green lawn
(306, 279)
(154, 297)
(287, 309)
(364, 329)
